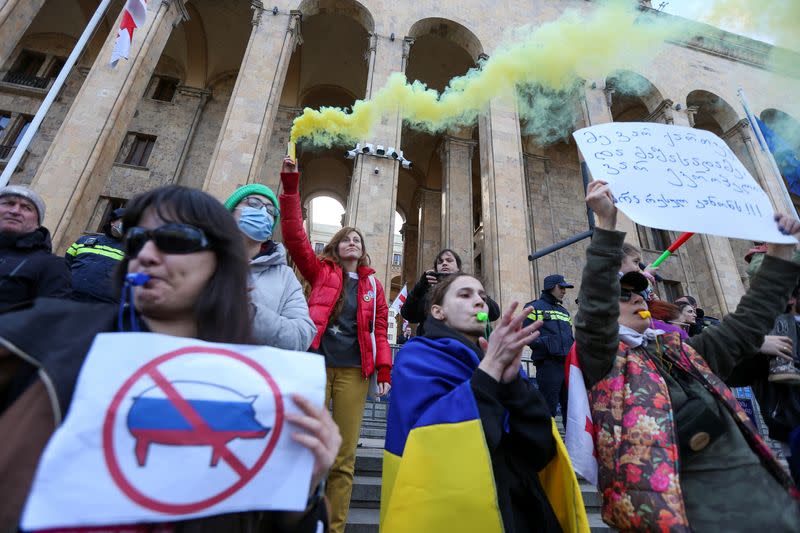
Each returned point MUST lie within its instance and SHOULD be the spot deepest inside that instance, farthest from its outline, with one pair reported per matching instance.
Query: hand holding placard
(679, 179)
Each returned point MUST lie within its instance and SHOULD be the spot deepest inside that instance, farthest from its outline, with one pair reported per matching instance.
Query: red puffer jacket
(325, 278)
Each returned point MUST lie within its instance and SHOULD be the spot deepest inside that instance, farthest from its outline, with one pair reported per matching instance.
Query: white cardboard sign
(164, 428)
(680, 179)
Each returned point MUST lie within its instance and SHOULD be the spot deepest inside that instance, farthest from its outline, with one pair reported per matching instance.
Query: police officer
(554, 342)
(92, 260)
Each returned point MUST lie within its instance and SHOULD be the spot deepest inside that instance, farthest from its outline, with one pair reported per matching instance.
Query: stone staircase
(366, 498)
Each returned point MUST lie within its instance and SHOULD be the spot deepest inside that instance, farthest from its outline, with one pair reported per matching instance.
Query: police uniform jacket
(555, 339)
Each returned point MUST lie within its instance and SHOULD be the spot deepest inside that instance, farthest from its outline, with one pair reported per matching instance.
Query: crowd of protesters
(675, 450)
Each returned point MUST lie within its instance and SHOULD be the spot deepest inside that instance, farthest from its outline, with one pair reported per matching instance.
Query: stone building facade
(209, 93)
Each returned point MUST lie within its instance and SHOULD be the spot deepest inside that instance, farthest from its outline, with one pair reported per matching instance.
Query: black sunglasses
(170, 238)
(625, 295)
(257, 203)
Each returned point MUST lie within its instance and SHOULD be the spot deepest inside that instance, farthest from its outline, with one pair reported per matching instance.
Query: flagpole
(20, 149)
(764, 148)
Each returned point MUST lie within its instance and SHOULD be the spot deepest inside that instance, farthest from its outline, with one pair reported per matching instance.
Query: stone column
(74, 171)
(457, 226)
(244, 137)
(15, 17)
(201, 96)
(719, 256)
(410, 234)
(598, 111)
(429, 203)
(373, 188)
(507, 274)
(543, 219)
(282, 127)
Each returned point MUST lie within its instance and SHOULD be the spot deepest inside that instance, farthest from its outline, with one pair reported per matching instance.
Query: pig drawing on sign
(200, 414)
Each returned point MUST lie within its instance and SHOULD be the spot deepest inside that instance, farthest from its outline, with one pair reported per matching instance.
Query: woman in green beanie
(280, 312)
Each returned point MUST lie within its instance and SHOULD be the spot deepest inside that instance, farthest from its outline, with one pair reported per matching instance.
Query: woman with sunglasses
(186, 275)
(675, 449)
(280, 311)
(348, 306)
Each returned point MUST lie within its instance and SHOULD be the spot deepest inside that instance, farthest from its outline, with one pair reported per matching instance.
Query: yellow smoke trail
(553, 56)
(773, 19)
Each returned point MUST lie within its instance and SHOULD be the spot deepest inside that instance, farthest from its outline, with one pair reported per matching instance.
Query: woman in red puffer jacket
(348, 306)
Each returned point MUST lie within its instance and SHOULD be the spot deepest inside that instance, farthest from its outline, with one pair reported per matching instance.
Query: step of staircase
(366, 521)
(365, 500)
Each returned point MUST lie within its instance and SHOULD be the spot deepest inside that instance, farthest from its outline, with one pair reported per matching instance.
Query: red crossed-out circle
(245, 474)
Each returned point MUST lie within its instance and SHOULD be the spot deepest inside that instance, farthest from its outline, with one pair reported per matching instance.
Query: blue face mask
(256, 223)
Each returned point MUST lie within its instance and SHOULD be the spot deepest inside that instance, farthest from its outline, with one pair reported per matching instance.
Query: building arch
(449, 30)
(326, 94)
(323, 192)
(633, 97)
(713, 112)
(348, 8)
(784, 125)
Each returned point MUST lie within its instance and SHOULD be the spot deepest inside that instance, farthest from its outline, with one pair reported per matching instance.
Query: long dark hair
(221, 311)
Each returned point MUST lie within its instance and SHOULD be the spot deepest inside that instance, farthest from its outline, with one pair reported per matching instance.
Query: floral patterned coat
(636, 440)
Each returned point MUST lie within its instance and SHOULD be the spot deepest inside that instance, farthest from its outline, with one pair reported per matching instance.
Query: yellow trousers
(346, 392)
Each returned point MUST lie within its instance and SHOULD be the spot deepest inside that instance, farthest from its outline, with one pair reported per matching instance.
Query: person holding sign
(348, 306)
(675, 450)
(185, 275)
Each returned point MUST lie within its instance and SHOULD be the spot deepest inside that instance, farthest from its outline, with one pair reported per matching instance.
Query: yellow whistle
(290, 151)
(644, 314)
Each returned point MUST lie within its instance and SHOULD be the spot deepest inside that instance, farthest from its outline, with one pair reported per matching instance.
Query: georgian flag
(580, 431)
(133, 16)
(400, 300)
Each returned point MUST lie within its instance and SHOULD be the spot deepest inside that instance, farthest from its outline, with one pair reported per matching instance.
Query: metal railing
(26, 80)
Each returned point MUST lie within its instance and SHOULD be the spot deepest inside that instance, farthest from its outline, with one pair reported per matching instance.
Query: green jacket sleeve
(596, 329)
(740, 334)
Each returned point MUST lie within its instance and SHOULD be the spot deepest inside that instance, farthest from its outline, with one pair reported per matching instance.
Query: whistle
(137, 280)
(644, 314)
(482, 317)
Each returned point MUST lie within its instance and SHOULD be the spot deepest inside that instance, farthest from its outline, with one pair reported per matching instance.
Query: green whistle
(482, 317)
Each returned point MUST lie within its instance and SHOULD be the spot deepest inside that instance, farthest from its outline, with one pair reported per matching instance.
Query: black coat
(779, 402)
(418, 302)
(29, 270)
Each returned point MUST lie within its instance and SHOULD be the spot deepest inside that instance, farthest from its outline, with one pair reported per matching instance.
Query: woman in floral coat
(675, 450)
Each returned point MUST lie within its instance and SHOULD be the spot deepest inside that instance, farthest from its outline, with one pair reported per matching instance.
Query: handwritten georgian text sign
(679, 179)
(162, 429)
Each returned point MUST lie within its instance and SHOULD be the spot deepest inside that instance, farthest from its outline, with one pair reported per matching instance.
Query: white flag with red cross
(580, 431)
(133, 16)
(400, 300)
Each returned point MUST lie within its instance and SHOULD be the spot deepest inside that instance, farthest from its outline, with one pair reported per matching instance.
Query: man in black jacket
(550, 349)
(28, 269)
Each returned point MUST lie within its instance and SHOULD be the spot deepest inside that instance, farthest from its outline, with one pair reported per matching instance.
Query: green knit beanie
(254, 188)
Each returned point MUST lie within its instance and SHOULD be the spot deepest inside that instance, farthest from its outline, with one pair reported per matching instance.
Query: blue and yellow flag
(437, 469)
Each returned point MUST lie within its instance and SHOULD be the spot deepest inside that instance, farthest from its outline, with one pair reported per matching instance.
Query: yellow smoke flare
(553, 57)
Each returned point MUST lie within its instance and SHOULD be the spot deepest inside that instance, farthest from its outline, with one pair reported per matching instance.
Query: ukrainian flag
(437, 471)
